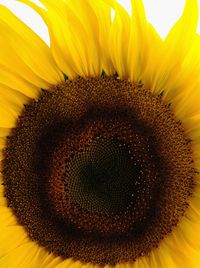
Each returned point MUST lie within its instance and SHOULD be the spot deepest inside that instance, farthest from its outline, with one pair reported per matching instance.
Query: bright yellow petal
(17, 237)
(143, 46)
(51, 261)
(8, 118)
(190, 232)
(87, 28)
(24, 53)
(196, 260)
(169, 74)
(186, 101)
(182, 35)
(11, 105)
(103, 13)
(126, 265)
(14, 80)
(16, 249)
(138, 34)
(161, 258)
(191, 63)
(119, 38)
(27, 254)
(75, 54)
(12, 98)
(4, 132)
(141, 262)
(7, 218)
(179, 248)
(192, 126)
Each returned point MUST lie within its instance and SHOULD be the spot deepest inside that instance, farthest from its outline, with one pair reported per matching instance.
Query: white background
(161, 13)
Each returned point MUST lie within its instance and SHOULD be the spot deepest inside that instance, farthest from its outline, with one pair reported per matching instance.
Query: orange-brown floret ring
(96, 120)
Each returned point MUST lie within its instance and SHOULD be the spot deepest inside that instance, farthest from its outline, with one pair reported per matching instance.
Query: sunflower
(99, 139)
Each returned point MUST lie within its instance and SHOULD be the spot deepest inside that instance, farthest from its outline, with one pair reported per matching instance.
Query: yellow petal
(7, 218)
(119, 38)
(26, 48)
(3, 201)
(8, 117)
(11, 105)
(182, 35)
(25, 255)
(195, 262)
(190, 231)
(15, 81)
(125, 265)
(161, 258)
(144, 48)
(1, 157)
(2, 143)
(191, 63)
(179, 247)
(4, 132)
(51, 261)
(16, 249)
(87, 28)
(176, 46)
(75, 54)
(186, 100)
(54, 19)
(140, 263)
(69, 263)
(18, 236)
(12, 98)
(103, 13)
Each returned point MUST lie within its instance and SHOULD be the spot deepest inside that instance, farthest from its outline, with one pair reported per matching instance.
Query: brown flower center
(98, 170)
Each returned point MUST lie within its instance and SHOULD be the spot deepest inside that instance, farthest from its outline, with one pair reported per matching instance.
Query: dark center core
(102, 178)
(98, 170)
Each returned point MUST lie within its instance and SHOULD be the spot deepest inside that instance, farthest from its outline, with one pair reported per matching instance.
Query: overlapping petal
(76, 35)
(25, 59)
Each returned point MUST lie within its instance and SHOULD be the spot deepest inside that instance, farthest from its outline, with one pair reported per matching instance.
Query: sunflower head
(99, 139)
